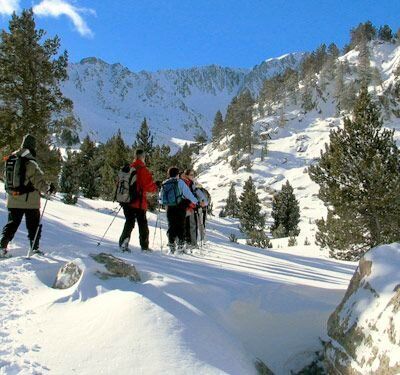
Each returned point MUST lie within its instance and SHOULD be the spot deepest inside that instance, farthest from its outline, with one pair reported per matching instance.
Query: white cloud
(56, 8)
(8, 6)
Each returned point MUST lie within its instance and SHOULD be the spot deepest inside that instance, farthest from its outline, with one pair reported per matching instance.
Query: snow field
(213, 312)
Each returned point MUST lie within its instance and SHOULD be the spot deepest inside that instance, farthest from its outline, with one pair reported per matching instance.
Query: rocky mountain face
(177, 103)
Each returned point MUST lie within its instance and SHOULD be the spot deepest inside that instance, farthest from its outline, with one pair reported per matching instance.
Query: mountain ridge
(176, 102)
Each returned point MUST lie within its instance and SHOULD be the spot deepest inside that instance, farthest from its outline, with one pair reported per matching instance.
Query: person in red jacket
(137, 209)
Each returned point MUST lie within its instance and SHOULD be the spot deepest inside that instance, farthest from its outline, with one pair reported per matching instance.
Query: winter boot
(4, 254)
(124, 247)
(35, 250)
(171, 248)
(181, 247)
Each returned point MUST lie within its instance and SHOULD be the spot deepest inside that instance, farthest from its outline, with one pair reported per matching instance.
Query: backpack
(126, 190)
(171, 195)
(15, 175)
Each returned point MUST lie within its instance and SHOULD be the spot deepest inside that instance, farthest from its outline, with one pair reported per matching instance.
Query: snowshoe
(37, 252)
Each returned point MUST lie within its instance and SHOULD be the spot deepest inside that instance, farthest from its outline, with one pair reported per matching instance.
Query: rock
(365, 327)
(116, 267)
(68, 275)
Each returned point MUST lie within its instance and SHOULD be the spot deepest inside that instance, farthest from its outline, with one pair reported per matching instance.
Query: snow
(210, 313)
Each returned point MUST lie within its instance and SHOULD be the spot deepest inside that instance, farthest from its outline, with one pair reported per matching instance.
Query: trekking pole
(202, 229)
(156, 226)
(159, 223)
(39, 228)
(102, 238)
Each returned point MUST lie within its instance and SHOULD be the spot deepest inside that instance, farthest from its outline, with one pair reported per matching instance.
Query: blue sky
(151, 35)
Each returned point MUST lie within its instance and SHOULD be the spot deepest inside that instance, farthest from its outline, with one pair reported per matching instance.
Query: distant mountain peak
(177, 102)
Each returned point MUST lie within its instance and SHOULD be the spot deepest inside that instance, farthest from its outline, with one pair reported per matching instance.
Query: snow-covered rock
(115, 267)
(365, 327)
(68, 275)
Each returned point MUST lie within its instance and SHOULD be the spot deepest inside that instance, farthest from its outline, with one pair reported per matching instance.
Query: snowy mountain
(177, 103)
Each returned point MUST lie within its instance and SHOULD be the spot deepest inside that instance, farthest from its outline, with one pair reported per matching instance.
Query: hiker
(24, 181)
(202, 212)
(136, 210)
(176, 195)
(191, 221)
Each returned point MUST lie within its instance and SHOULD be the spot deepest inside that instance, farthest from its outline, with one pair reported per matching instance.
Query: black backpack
(15, 175)
(126, 190)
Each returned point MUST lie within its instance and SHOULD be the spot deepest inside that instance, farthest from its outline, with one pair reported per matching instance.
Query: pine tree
(144, 140)
(307, 102)
(339, 87)
(250, 216)
(115, 156)
(264, 151)
(286, 211)
(364, 64)
(364, 32)
(232, 204)
(200, 139)
(282, 119)
(385, 33)
(161, 161)
(183, 158)
(87, 169)
(359, 183)
(218, 127)
(30, 97)
(69, 180)
(239, 122)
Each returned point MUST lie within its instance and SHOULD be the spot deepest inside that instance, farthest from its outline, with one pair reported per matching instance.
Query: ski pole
(39, 228)
(159, 223)
(156, 226)
(202, 229)
(102, 238)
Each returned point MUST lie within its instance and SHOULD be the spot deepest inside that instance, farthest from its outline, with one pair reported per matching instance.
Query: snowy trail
(211, 312)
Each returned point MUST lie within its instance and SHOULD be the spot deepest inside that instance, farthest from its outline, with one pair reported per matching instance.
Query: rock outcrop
(365, 327)
(115, 267)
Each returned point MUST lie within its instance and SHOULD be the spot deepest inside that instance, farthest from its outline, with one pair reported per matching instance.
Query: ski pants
(176, 224)
(191, 228)
(15, 215)
(131, 215)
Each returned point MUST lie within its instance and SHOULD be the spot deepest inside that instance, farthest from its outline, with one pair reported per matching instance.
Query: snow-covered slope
(292, 147)
(214, 312)
(178, 103)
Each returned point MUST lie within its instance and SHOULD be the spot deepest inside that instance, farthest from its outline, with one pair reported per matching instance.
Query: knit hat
(29, 142)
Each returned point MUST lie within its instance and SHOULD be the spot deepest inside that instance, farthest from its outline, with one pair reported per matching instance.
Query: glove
(52, 189)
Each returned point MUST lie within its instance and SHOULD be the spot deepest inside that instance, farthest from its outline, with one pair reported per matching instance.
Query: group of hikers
(185, 202)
